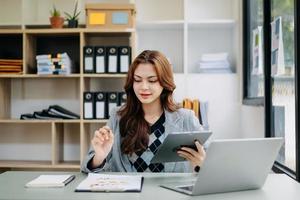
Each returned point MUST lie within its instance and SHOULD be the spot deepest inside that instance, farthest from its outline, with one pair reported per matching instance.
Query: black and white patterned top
(141, 160)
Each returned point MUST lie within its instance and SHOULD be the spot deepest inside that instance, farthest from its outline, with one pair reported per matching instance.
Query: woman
(134, 132)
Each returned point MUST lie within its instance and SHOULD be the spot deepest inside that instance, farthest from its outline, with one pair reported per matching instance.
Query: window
(274, 81)
(253, 37)
(283, 79)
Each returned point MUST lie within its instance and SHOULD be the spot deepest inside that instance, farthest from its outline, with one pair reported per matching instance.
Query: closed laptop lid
(238, 164)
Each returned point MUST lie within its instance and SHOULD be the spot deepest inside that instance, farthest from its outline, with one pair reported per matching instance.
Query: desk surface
(277, 186)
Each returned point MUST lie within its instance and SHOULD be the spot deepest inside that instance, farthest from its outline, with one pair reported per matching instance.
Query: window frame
(267, 99)
(254, 101)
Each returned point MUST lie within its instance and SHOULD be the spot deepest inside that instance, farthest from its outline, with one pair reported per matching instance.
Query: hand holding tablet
(167, 151)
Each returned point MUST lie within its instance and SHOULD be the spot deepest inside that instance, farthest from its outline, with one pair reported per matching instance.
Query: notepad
(50, 181)
(110, 183)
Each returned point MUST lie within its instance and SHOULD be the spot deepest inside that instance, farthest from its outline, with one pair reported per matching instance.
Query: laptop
(233, 165)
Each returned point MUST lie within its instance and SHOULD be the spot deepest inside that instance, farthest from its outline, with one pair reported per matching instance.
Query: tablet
(167, 151)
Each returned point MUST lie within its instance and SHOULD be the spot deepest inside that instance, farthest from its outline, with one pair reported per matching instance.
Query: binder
(196, 107)
(124, 58)
(100, 55)
(44, 115)
(88, 52)
(122, 98)
(112, 58)
(100, 105)
(56, 110)
(112, 102)
(27, 116)
(88, 105)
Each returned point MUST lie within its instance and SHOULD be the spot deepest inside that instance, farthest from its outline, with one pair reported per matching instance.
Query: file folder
(112, 102)
(88, 59)
(122, 98)
(100, 104)
(124, 58)
(100, 59)
(112, 59)
(88, 105)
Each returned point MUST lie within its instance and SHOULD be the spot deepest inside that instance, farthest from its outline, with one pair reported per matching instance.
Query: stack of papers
(51, 181)
(61, 64)
(214, 63)
(110, 183)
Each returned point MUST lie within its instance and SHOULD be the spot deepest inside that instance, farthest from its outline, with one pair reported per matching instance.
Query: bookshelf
(173, 27)
(186, 29)
(61, 144)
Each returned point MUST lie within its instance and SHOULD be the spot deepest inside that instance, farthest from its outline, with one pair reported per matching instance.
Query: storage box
(111, 16)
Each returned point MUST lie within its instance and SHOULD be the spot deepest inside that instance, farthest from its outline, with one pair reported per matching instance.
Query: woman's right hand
(102, 143)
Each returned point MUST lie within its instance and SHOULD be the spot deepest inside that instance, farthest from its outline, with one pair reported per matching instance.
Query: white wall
(221, 91)
(252, 121)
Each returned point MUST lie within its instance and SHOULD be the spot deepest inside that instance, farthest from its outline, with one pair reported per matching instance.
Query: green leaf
(68, 15)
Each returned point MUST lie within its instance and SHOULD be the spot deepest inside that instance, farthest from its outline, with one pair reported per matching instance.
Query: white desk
(277, 187)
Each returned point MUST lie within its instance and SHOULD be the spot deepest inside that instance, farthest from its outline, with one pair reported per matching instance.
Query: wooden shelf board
(67, 165)
(99, 30)
(104, 75)
(11, 31)
(75, 30)
(56, 31)
(62, 31)
(16, 121)
(38, 164)
(63, 76)
(95, 121)
(38, 76)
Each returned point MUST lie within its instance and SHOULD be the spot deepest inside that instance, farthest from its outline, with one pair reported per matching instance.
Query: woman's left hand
(196, 158)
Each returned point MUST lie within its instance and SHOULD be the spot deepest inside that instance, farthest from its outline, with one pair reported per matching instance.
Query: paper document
(110, 183)
(51, 181)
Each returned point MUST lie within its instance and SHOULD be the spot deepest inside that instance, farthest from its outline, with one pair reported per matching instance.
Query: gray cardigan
(180, 120)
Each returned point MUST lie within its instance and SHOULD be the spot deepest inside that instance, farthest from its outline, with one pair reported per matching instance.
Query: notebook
(50, 181)
(110, 183)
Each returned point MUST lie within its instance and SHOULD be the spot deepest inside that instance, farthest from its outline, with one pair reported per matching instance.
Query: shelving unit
(184, 30)
(181, 29)
(49, 144)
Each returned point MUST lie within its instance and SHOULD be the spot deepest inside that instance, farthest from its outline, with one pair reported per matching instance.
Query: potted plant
(73, 18)
(56, 20)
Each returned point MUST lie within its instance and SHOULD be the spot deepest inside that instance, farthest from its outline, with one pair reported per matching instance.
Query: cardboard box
(110, 16)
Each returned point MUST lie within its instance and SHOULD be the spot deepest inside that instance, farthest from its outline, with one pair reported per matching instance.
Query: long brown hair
(134, 129)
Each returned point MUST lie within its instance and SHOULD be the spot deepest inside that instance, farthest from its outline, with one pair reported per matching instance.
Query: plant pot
(72, 23)
(57, 22)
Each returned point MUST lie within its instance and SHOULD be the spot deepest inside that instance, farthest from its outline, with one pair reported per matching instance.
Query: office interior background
(254, 98)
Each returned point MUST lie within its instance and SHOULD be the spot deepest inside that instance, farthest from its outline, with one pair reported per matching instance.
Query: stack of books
(11, 66)
(214, 63)
(53, 112)
(59, 64)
